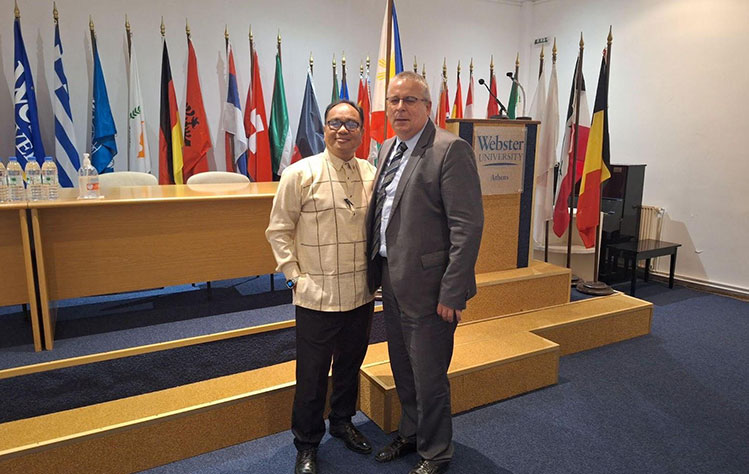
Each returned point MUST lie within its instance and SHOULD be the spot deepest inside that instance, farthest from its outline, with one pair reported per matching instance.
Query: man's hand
(448, 314)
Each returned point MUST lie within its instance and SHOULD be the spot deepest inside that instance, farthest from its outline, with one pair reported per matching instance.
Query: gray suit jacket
(435, 226)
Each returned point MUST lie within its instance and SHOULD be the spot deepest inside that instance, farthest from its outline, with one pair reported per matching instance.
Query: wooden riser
(494, 359)
(570, 327)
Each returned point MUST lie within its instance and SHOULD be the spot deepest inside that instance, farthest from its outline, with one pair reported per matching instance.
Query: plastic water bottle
(50, 183)
(88, 180)
(3, 184)
(15, 180)
(34, 179)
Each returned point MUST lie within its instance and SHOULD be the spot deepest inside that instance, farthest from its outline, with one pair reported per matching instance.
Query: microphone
(502, 108)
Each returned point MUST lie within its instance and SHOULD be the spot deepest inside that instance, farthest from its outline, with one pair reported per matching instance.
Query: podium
(505, 157)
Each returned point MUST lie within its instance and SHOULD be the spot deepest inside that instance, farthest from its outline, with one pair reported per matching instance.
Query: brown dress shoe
(398, 447)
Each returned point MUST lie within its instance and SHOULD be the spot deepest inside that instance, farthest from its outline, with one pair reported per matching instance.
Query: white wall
(679, 99)
(430, 30)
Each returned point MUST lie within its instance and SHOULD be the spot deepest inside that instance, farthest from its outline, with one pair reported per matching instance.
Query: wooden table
(143, 237)
(645, 250)
(17, 281)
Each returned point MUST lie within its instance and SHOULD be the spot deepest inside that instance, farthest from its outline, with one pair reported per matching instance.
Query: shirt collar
(336, 162)
(411, 142)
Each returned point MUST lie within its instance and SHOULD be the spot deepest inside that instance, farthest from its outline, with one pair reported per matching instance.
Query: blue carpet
(674, 401)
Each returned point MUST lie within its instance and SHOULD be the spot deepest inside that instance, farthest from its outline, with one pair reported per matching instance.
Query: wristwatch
(290, 284)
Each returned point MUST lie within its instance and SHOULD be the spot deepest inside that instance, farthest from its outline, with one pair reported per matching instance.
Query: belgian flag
(170, 131)
(597, 162)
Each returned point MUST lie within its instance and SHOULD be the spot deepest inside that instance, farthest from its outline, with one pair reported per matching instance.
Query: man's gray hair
(412, 76)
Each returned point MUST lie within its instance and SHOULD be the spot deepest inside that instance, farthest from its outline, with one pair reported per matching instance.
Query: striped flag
(232, 120)
(368, 148)
(170, 130)
(469, 96)
(139, 157)
(565, 186)
(457, 111)
(443, 106)
(280, 131)
(65, 148)
(256, 127)
(396, 66)
(28, 135)
(103, 144)
(197, 133)
(597, 159)
(309, 135)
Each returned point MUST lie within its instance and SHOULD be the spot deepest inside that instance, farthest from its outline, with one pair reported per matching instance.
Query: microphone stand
(502, 108)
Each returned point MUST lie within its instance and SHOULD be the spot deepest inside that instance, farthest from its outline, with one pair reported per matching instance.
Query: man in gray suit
(424, 229)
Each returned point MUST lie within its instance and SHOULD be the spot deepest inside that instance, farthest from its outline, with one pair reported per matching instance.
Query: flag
(368, 148)
(170, 131)
(139, 157)
(379, 92)
(596, 168)
(309, 136)
(103, 144)
(469, 98)
(457, 111)
(546, 157)
(280, 132)
(443, 106)
(197, 133)
(538, 103)
(66, 151)
(344, 83)
(491, 107)
(512, 102)
(232, 120)
(28, 134)
(256, 128)
(336, 94)
(565, 187)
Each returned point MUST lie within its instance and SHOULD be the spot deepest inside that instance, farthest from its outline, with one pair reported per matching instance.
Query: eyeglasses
(410, 100)
(350, 125)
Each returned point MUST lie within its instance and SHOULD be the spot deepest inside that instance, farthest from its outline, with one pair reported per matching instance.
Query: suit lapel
(426, 139)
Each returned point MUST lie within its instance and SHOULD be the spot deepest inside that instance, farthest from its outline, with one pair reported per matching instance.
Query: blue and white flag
(233, 120)
(66, 151)
(28, 135)
(103, 144)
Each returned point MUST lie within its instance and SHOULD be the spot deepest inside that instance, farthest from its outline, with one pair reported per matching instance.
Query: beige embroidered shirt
(317, 231)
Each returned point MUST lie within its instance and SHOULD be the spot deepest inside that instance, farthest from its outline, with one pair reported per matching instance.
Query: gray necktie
(387, 178)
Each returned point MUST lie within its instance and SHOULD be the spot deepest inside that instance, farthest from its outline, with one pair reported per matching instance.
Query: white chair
(217, 177)
(117, 179)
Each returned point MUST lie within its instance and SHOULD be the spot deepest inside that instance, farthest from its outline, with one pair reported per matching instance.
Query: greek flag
(28, 135)
(65, 148)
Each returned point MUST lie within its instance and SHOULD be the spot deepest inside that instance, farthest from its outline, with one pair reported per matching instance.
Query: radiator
(651, 225)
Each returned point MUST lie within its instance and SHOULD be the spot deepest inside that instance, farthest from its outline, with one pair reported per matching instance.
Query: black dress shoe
(398, 447)
(306, 462)
(353, 438)
(426, 466)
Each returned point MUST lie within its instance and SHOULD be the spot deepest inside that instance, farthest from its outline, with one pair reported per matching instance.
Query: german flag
(597, 162)
(170, 131)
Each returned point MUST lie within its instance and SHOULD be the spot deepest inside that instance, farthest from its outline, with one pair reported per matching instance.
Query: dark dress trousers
(432, 239)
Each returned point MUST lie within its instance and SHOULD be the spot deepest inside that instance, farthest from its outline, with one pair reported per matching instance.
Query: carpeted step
(505, 356)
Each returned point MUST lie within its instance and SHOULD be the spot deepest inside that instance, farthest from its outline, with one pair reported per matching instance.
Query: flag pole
(578, 93)
(541, 62)
(129, 35)
(311, 64)
(424, 70)
(388, 53)
(596, 267)
(278, 45)
(91, 29)
(546, 238)
(416, 65)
